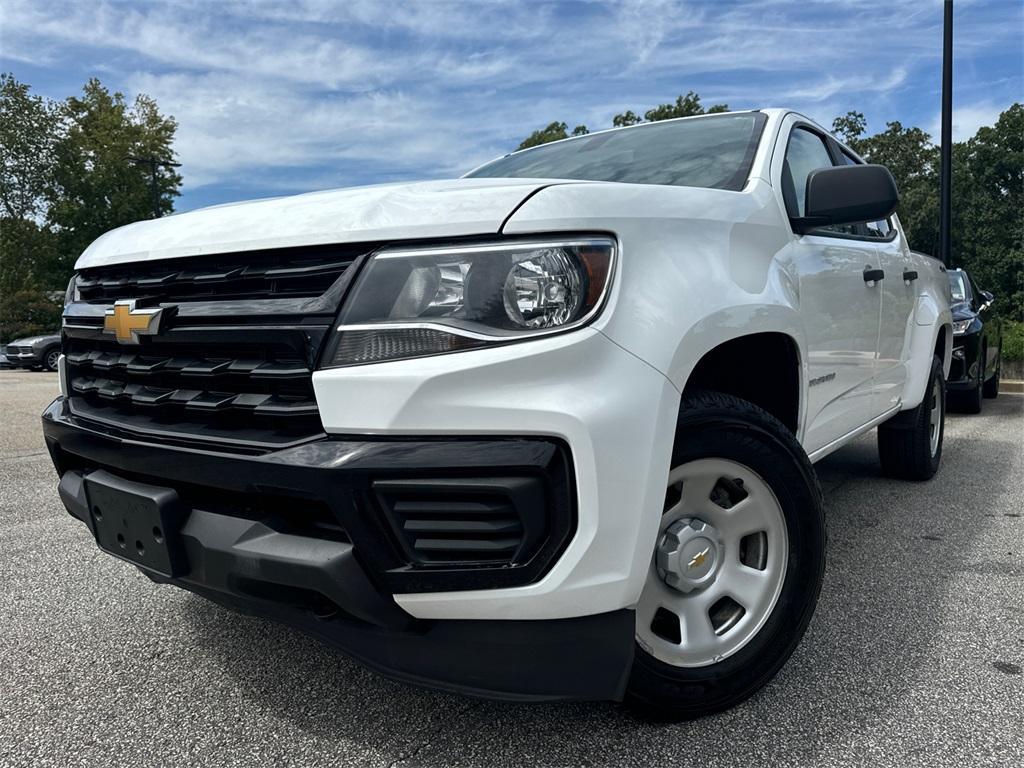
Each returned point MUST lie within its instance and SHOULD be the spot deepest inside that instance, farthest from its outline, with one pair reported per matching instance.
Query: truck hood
(434, 209)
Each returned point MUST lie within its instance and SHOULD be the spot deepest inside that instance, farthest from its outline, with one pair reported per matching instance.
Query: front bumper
(296, 569)
(24, 359)
(964, 365)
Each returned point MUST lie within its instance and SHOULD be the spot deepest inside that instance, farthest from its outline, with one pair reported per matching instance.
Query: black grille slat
(266, 274)
(235, 353)
(443, 527)
(459, 548)
(470, 527)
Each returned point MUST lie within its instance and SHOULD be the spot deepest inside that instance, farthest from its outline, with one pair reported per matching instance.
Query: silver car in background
(34, 352)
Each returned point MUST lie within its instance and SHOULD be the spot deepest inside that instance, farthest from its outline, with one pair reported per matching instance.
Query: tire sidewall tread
(737, 430)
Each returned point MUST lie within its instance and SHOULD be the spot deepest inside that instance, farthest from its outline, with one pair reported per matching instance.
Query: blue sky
(281, 97)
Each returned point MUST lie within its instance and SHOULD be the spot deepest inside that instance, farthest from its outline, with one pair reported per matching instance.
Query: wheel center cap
(688, 554)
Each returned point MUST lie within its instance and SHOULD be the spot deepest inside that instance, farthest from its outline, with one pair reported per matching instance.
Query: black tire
(970, 401)
(716, 425)
(50, 357)
(904, 442)
(990, 389)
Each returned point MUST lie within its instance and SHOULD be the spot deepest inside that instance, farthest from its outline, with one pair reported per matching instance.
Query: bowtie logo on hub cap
(698, 560)
(127, 323)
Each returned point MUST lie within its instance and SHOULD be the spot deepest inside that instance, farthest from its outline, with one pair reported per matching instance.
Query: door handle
(873, 275)
(909, 275)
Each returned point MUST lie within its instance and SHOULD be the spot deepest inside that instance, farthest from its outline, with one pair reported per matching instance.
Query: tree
(97, 185)
(26, 251)
(684, 106)
(914, 162)
(554, 132)
(29, 129)
(850, 126)
(988, 208)
(629, 117)
(988, 196)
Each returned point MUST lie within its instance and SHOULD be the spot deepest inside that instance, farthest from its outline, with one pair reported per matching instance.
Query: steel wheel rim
(935, 419)
(703, 626)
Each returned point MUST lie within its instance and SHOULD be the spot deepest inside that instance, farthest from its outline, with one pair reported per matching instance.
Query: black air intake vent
(497, 521)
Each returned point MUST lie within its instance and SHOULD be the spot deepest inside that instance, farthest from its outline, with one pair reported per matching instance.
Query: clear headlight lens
(425, 301)
(960, 327)
(71, 294)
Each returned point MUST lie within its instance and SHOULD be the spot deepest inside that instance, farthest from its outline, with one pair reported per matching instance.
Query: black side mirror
(986, 300)
(847, 194)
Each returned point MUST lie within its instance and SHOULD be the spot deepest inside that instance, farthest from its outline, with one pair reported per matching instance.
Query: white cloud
(293, 94)
(967, 120)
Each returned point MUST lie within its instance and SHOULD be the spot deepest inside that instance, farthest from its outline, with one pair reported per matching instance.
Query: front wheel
(737, 565)
(50, 359)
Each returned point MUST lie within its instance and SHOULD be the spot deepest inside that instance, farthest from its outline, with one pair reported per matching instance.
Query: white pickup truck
(546, 431)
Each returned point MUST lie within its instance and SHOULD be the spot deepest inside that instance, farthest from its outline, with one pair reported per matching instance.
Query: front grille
(276, 274)
(232, 363)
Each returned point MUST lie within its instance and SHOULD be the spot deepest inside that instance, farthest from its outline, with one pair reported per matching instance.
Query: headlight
(427, 301)
(960, 327)
(71, 294)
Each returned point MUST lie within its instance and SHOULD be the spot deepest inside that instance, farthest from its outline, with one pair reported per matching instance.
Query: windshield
(957, 286)
(714, 151)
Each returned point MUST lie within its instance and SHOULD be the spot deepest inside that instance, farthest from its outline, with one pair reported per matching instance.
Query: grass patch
(1013, 340)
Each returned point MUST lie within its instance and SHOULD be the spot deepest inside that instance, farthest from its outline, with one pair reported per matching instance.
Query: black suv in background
(977, 344)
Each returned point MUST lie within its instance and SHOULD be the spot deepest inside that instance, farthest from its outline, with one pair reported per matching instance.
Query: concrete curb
(1009, 386)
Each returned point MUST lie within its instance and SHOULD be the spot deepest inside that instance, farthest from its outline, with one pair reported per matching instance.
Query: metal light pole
(153, 164)
(946, 139)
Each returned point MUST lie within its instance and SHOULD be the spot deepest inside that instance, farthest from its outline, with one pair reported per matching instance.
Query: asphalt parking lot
(914, 657)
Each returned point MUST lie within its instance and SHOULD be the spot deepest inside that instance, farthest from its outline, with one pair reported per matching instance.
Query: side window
(806, 152)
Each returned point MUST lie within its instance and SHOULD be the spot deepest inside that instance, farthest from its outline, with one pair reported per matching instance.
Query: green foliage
(629, 117)
(29, 127)
(28, 252)
(988, 196)
(1013, 340)
(97, 185)
(553, 132)
(850, 126)
(28, 312)
(66, 177)
(914, 161)
(684, 106)
(988, 207)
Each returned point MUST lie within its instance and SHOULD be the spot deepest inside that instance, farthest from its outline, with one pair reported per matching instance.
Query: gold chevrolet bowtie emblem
(698, 560)
(128, 323)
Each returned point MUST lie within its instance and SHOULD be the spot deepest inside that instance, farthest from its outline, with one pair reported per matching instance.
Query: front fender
(931, 319)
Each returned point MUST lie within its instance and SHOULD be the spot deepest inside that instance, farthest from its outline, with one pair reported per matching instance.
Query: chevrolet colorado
(546, 431)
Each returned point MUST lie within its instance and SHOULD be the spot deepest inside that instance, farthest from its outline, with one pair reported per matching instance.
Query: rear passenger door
(839, 308)
(898, 288)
